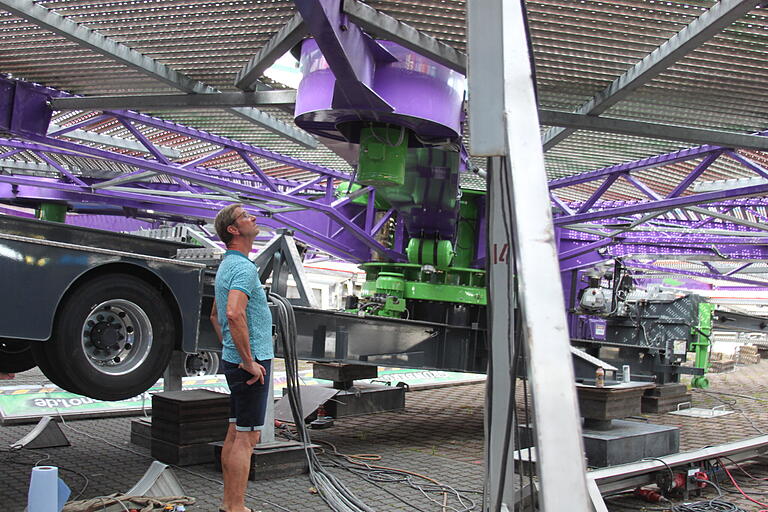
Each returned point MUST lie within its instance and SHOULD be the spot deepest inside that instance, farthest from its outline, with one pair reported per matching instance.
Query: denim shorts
(247, 402)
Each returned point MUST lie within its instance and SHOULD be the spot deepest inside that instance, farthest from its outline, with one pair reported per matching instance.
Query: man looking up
(242, 321)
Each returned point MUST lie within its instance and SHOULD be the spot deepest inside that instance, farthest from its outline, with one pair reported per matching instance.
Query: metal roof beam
(171, 101)
(729, 218)
(700, 30)
(286, 38)
(108, 140)
(84, 36)
(387, 27)
(7, 163)
(653, 130)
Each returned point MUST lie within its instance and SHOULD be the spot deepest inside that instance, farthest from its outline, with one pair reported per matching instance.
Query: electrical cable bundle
(362, 466)
(331, 490)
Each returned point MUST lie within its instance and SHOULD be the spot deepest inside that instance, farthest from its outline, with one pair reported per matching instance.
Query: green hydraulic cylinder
(701, 344)
(54, 212)
(466, 232)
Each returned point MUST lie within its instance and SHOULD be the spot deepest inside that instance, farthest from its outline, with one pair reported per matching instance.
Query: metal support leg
(268, 432)
(504, 126)
(174, 372)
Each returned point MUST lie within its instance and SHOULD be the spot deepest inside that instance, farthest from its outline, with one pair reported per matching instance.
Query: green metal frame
(701, 344)
(454, 284)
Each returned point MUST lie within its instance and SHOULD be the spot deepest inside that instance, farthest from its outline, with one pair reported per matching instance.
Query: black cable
(381, 487)
(714, 505)
(374, 474)
(330, 489)
(22, 450)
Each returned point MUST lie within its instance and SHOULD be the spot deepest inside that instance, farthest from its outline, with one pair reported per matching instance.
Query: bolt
(121, 314)
(110, 319)
(117, 359)
(128, 346)
(129, 329)
(107, 308)
(91, 323)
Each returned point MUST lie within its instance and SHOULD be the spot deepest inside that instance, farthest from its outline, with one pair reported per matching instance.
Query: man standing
(242, 320)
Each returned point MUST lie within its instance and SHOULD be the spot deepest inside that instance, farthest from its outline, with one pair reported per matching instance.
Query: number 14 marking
(500, 256)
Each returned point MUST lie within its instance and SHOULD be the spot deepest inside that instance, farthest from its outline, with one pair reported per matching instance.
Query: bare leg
(236, 467)
(229, 441)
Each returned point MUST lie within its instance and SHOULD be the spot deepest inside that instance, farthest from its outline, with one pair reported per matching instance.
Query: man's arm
(215, 322)
(238, 328)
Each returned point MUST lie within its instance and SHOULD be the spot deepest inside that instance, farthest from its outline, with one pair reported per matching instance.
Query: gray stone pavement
(439, 434)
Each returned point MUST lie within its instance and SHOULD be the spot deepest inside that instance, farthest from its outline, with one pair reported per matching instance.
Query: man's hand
(254, 369)
(8, 376)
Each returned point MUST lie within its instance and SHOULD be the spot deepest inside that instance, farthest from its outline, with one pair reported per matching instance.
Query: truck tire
(54, 372)
(113, 337)
(201, 363)
(15, 356)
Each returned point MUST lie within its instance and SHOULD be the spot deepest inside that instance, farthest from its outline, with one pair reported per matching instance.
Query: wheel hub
(106, 335)
(110, 332)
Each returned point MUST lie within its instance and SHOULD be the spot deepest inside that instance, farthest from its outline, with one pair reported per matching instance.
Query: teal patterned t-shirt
(236, 272)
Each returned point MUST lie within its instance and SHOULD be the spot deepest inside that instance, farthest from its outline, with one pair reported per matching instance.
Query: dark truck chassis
(99, 313)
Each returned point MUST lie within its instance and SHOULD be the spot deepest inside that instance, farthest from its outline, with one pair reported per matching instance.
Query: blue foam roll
(44, 489)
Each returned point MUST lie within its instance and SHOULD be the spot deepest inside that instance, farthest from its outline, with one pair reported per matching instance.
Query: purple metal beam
(178, 171)
(60, 168)
(739, 269)
(380, 224)
(598, 193)
(748, 163)
(642, 187)
(255, 168)
(664, 204)
(228, 143)
(695, 173)
(694, 274)
(307, 185)
(341, 244)
(637, 165)
(144, 141)
(560, 204)
(17, 213)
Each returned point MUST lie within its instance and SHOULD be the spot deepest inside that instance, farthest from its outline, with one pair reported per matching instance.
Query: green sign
(27, 404)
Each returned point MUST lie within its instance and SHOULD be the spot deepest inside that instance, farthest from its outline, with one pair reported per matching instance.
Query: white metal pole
(504, 125)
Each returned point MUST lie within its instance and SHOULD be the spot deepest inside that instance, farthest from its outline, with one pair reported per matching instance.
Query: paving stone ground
(439, 434)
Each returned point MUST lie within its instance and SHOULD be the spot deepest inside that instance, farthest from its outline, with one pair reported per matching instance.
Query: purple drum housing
(425, 97)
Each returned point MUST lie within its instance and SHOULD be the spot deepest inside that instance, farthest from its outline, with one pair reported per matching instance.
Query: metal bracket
(280, 258)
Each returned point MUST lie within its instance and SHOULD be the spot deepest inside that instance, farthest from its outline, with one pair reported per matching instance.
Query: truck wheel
(201, 363)
(54, 372)
(15, 356)
(113, 337)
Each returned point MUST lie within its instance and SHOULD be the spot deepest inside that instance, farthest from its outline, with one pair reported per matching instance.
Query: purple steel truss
(678, 223)
(336, 225)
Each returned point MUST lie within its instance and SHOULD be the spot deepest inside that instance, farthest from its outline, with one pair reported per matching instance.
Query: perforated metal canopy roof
(580, 48)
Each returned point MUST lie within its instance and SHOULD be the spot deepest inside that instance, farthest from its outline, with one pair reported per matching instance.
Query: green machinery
(422, 185)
